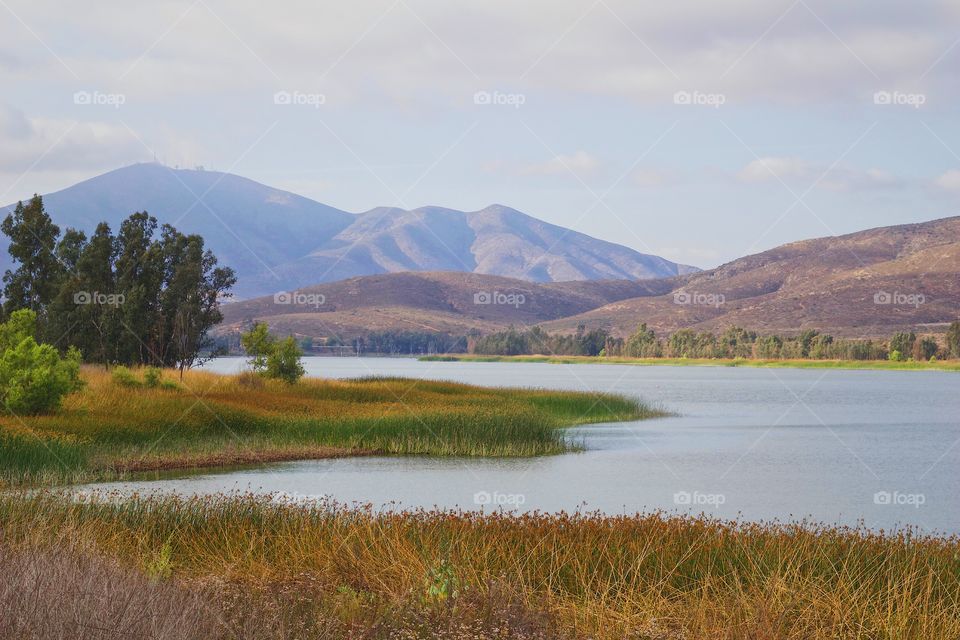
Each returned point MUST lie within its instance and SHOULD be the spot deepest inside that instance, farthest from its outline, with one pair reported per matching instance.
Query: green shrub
(33, 377)
(124, 377)
(152, 377)
(259, 344)
(270, 357)
(283, 362)
(169, 385)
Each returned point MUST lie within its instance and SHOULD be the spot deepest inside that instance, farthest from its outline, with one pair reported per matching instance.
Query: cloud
(772, 168)
(950, 180)
(842, 179)
(56, 152)
(578, 163)
(804, 52)
(651, 178)
(45, 143)
(795, 170)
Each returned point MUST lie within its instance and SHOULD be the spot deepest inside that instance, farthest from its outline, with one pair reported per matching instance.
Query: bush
(152, 377)
(124, 377)
(272, 358)
(259, 344)
(284, 361)
(33, 377)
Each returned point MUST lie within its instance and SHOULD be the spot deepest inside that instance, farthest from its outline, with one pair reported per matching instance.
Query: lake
(877, 448)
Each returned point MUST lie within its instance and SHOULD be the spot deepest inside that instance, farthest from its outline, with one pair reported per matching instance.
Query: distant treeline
(513, 342)
(376, 342)
(735, 342)
(406, 342)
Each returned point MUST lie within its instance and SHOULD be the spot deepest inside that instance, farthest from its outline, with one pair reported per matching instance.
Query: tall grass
(645, 576)
(112, 428)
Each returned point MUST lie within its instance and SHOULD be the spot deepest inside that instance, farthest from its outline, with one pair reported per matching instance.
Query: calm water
(881, 447)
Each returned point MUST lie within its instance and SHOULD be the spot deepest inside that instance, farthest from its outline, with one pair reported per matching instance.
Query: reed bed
(326, 569)
(108, 429)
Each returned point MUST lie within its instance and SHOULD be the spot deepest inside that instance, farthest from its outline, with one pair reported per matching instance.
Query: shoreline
(872, 365)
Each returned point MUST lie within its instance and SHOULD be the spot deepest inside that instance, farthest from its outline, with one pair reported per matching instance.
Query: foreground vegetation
(253, 567)
(117, 423)
(912, 365)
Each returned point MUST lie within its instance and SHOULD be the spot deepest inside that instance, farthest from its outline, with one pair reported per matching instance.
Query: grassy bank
(940, 365)
(108, 429)
(248, 567)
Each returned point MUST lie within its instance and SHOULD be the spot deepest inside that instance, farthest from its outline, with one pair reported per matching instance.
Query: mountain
(441, 302)
(870, 283)
(866, 284)
(248, 225)
(277, 240)
(496, 240)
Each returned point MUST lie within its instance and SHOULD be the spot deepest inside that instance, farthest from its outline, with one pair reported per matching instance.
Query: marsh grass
(581, 575)
(113, 427)
(911, 365)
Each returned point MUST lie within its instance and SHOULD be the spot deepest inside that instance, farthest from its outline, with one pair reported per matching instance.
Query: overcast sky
(700, 131)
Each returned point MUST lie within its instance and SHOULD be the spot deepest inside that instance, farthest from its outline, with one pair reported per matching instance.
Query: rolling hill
(277, 240)
(870, 283)
(439, 302)
(865, 284)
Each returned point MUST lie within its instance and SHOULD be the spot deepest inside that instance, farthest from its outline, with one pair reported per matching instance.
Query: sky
(699, 131)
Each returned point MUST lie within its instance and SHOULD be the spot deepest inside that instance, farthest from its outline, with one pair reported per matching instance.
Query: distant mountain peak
(277, 240)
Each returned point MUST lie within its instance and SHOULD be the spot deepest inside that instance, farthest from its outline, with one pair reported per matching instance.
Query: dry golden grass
(580, 576)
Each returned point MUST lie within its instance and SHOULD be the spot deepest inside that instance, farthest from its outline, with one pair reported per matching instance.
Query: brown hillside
(442, 302)
(826, 283)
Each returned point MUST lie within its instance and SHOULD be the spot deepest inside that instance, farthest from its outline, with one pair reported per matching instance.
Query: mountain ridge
(278, 240)
(855, 285)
